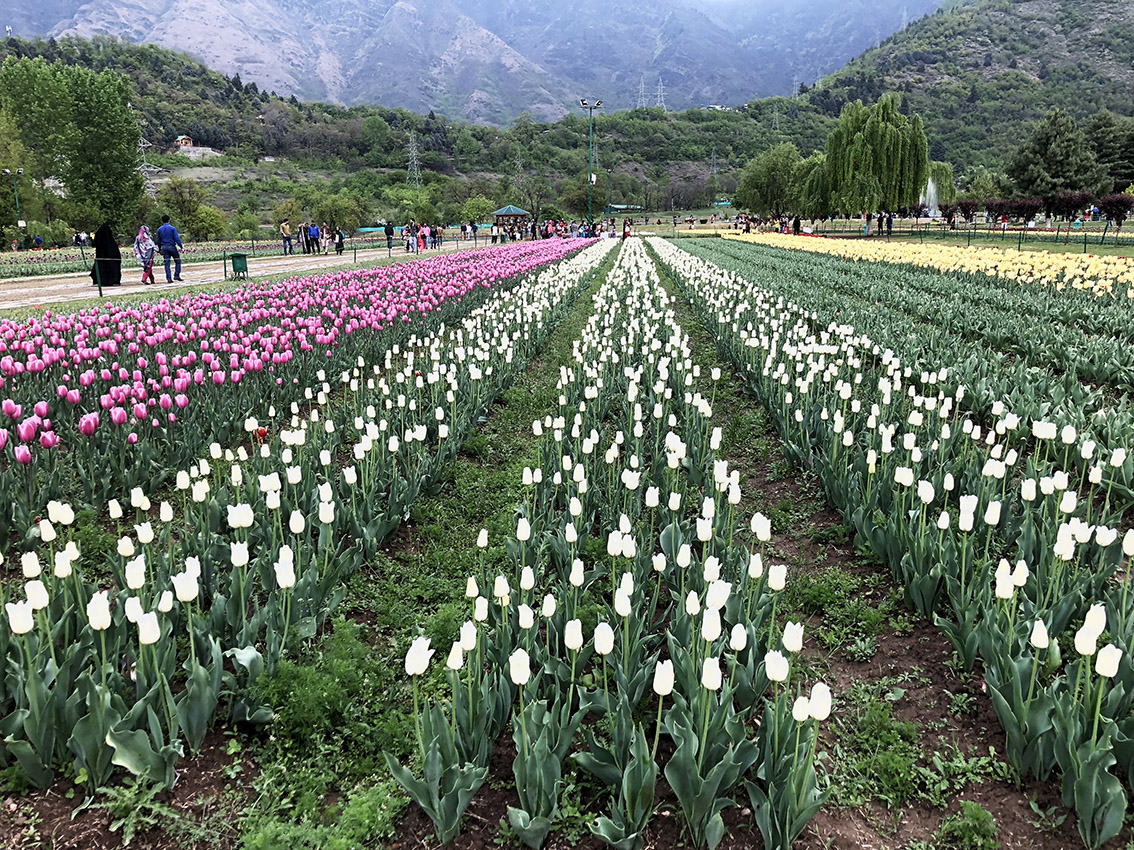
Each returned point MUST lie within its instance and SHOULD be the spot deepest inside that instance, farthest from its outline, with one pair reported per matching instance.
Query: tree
(1068, 204)
(768, 186)
(181, 197)
(477, 209)
(877, 158)
(967, 207)
(244, 225)
(1112, 139)
(290, 210)
(1056, 158)
(811, 187)
(941, 173)
(985, 184)
(466, 149)
(206, 222)
(1117, 207)
(79, 128)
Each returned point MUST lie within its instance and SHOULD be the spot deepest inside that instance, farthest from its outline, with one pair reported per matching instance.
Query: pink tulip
(11, 409)
(41, 409)
(3, 439)
(26, 430)
(49, 439)
(118, 416)
(88, 424)
(23, 455)
(131, 438)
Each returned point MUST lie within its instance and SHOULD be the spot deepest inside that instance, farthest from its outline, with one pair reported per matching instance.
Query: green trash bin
(239, 266)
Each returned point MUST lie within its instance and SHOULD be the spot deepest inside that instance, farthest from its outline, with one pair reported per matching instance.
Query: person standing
(795, 226)
(889, 225)
(313, 235)
(285, 232)
(495, 233)
(340, 240)
(169, 243)
(325, 238)
(144, 250)
(389, 231)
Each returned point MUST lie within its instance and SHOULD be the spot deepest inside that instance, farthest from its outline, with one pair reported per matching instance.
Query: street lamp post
(16, 191)
(590, 154)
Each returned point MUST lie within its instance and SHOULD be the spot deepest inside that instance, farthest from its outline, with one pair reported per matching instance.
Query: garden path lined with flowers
(644, 599)
(45, 291)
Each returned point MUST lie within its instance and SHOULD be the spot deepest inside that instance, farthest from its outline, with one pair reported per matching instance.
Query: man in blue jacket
(168, 242)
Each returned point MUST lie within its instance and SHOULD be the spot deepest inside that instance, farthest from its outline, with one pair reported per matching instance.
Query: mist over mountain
(489, 60)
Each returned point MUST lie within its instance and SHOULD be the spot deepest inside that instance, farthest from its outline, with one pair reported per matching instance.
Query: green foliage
(133, 807)
(877, 157)
(972, 828)
(76, 125)
(942, 175)
(768, 186)
(180, 198)
(334, 717)
(207, 222)
(1056, 159)
(367, 819)
(477, 209)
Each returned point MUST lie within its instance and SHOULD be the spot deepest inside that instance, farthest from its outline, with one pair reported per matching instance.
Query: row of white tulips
(628, 576)
(951, 502)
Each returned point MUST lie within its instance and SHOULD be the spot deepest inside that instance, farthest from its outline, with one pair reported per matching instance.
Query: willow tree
(813, 188)
(941, 173)
(877, 158)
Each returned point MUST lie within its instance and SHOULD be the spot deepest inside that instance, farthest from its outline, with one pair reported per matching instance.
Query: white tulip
(1106, 665)
(36, 593)
(98, 611)
(711, 676)
(519, 667)
(820, 702)
(1039, 638)
(135, 570)
(417, 658)
(604, 639)
(21, 619)
(793, 636)
(527, 617)
(149, 629)
(777, 576)
(738, 638)
(185, 586)
(801, 709)
(238, 554)
(573, 635)
(776, 666)
(663, 678)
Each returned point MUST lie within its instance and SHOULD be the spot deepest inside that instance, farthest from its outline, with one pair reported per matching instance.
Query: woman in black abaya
(108, 258)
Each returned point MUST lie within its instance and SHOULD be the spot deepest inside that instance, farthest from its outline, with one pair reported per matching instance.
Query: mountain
(981, 72)
(490, 60)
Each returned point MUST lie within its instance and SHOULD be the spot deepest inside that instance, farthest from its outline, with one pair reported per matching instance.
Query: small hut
(511, 216)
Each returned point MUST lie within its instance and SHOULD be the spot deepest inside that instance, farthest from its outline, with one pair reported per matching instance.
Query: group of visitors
(313, 238)
(420, 237)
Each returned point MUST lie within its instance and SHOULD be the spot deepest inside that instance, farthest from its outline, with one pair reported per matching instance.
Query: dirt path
(44, 290)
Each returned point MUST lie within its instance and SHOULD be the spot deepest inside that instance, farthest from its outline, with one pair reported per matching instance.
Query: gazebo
(510, 216)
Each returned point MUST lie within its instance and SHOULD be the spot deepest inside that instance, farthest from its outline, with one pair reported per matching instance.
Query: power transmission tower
(795, 87)
(714, 168)
(413, 175)
(642, 101)
(661, 95)
(776, 118)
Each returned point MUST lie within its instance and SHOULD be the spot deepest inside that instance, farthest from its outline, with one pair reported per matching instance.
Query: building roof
(511, 210)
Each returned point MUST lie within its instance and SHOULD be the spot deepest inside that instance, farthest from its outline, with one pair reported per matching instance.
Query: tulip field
(527, 478)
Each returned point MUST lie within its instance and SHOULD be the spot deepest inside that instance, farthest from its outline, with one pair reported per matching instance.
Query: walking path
(43, 290)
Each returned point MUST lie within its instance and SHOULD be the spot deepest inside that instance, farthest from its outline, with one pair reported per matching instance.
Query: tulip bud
(238, 554)
(480, 609)
(98, 611)
(1086, 641)
(604, 639)
(1106, 665)
(468, 636)
(1039, 638)
(21, 619)
(777, 576)
(527, 616)
(820, 702)
(573, 635)
(576, 576)
(519, 667)
(456, 659)
(149, 629)
(523, 530)
(801, 709)
(326, 512)
(663, 678)
(711, 677)
(417, 658)
(738, 638)
(793, 636)
(527, 578)
(1096, 618)
(776, 666)
(548, 608)
(185, 586)
(165, 602)
(711, 625)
